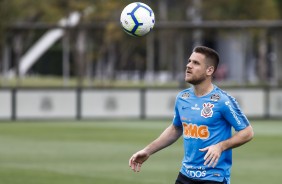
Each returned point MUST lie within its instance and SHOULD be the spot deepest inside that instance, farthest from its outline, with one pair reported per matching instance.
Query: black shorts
(182, 179)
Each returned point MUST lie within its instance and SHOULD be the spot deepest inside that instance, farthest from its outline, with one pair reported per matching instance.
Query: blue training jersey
(207, 120)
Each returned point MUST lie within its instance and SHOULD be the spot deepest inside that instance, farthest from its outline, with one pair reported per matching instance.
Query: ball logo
(137, 19)
(207, 110)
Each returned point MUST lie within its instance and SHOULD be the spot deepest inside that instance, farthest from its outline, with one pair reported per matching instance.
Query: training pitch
(97, 152)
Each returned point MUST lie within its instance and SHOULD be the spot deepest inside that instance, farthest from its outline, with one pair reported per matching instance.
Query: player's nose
(188, 65)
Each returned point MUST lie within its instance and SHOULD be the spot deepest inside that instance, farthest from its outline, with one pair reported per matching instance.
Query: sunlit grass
(98, 152)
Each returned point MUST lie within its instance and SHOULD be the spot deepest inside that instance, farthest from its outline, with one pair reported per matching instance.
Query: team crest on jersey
(207, 110)
(185, 95)
(215, 97)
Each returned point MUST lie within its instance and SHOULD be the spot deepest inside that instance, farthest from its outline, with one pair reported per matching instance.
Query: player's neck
(203, 89)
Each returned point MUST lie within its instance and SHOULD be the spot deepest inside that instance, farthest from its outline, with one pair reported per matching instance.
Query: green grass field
(98, 153)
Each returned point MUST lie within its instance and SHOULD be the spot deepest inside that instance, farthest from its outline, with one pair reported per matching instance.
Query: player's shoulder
(220, 95)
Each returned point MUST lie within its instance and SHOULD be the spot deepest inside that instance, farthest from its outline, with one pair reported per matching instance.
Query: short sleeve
(234, 115)
(176, 119)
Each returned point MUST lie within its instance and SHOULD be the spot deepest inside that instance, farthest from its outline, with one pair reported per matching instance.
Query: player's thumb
(204, 149)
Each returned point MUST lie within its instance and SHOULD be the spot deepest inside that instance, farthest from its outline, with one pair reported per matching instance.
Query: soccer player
(204, 116)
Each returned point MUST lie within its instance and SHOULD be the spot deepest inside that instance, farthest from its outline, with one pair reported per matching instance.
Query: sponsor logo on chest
(196, 107)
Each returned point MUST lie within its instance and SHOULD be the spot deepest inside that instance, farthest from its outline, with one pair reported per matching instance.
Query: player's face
(196, 69)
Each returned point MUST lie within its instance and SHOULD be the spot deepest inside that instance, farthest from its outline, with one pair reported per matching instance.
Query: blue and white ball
(137, 19)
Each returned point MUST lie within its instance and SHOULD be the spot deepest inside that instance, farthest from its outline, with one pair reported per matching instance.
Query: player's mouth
(188, 72)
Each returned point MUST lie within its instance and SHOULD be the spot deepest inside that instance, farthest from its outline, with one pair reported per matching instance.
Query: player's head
(201, 65)
(212, 57)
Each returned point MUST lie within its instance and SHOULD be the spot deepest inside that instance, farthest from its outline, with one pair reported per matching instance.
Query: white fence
(41, 104)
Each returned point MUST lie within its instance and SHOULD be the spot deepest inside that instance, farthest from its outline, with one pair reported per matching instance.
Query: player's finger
(135, 166)
(131, 161)
(138, 169)
(207, 158)
(204, 149)
(132, 164)
(215, 163)
(207, 155)
(212, 161)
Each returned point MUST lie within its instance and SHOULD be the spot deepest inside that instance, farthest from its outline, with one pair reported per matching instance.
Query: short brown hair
(211, 54)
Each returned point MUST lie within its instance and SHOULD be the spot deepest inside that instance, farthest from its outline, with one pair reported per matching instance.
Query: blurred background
(71, 59)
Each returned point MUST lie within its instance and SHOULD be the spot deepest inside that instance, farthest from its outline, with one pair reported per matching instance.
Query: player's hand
(137, 159)
(213, 154)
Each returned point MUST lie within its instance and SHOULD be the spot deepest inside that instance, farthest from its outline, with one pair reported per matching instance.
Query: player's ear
(210, 70)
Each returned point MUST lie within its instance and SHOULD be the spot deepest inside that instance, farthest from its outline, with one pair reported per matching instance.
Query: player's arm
(214, 151)
(238, 139)
(233, 114)
(169, 136)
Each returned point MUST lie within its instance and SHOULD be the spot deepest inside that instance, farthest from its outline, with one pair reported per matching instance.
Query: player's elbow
(249, 134)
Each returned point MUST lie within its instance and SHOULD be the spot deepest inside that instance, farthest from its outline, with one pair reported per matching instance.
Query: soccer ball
(137, 19)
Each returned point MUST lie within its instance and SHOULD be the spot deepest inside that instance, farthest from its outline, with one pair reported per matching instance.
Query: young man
(204, 116)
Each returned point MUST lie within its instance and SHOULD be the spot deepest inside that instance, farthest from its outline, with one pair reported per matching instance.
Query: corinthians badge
(207, 110)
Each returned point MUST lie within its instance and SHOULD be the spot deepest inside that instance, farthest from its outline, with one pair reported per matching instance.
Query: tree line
(108, 39)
